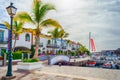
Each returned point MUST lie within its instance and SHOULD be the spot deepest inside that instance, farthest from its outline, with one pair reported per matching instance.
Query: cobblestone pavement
(63, 73)
(33, 75)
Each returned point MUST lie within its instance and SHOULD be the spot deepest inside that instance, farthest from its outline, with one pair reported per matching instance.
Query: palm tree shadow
(22, 74)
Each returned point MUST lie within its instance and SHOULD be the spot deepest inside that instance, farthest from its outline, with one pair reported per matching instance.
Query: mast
(89, 40)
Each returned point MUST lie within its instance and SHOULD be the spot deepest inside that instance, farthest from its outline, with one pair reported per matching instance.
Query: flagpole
(89, 40)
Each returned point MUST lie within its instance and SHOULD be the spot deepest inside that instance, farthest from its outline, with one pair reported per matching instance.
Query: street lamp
(11, 11)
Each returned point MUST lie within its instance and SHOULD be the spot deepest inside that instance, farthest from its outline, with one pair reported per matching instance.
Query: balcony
(41, 45)
(73, 48)
(3, 41)
(64, 47)
(51, 46)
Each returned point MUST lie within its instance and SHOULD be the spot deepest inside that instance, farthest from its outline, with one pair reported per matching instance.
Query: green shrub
(88, 52)
(3, 51)
(72, 53)
(65, 53)
(32, 51)
(30, 60)
(57, 52)
(17, 55)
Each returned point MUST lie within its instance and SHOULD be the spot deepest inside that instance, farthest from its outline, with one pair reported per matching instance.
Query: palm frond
(23, 17)
(36, 9)
(63, 34)
(54, 33)
(51, 22)
(68, 41)
(45, 8)
(6, 24)
(66, 35)
(18, 26)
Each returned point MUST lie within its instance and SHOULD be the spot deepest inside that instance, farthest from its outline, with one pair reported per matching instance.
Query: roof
(22, 49)
(3, 26)
(30, 30)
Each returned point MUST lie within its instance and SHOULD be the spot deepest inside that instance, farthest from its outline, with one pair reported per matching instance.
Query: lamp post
(11, 11)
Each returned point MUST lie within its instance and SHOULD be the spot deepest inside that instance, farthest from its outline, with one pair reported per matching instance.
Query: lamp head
(11, 10)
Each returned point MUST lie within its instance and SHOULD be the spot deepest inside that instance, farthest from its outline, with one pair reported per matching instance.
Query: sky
(78, 18)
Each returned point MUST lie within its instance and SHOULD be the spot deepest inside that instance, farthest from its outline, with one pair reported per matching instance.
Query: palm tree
(68, 41)
(17, 30)
(39, 11)
(54, 34)
(82, 50)
(62, 34)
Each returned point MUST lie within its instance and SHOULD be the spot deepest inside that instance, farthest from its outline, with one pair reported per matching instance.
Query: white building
(27, 39)
(24, 39)
(3, 37)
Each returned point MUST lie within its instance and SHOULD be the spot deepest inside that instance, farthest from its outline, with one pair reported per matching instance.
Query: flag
(92, 45)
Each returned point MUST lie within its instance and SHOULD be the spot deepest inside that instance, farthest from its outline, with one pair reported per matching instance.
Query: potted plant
(29, 64)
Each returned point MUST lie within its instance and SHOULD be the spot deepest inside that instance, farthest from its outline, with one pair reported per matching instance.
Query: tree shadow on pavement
(20, 74)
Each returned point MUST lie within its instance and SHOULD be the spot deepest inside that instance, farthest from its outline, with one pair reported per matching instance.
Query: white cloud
(79, 17)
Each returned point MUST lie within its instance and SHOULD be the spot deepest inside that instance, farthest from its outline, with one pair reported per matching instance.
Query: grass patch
(30, 60)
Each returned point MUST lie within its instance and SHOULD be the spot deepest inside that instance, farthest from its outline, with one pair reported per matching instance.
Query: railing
(51, 46)
(41, 45)
(64, 47)
(3, 41)
(73, 48)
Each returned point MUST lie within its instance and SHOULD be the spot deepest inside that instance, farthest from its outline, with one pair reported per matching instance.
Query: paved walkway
(64, 73)
(36, 75)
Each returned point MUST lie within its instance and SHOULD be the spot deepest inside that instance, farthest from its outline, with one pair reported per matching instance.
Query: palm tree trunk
(55, 46)
(37, 47)
(61, 47)
(52, 46)
(67, 48)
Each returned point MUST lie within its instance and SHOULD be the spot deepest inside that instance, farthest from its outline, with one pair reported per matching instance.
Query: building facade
(27, 39)
(3, 37)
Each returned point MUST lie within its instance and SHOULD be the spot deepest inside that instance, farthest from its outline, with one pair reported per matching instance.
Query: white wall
(5, 37)
(44, 41)
(22, 41)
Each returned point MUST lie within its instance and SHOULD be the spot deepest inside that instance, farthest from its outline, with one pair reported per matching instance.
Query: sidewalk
(63, 73)
(35, 75)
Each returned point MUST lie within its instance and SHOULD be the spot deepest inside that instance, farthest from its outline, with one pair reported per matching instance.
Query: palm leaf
(23, 17)
(63, 34)
(18, 27)
(66, 35)
(51, 22)
(45, 8)
(36, 9)
(54, 33)
(6, 24)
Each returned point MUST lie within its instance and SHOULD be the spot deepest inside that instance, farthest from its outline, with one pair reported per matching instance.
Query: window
(49, 42)
(1, 36)
(27, 37)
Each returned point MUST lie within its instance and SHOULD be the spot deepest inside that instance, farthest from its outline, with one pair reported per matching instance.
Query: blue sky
(79, 17)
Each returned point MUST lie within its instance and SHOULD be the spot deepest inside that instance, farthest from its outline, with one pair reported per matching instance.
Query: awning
(22, 49)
